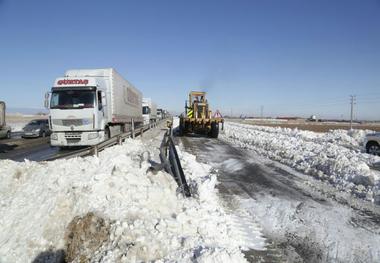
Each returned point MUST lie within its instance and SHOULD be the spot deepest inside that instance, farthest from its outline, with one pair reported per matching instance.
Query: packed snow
(335, 156)
(147, 219)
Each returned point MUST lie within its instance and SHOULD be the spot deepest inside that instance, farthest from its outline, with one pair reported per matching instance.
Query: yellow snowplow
(198, 117)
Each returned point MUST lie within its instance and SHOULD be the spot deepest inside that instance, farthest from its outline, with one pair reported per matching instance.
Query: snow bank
(148, 219)
(334, 156)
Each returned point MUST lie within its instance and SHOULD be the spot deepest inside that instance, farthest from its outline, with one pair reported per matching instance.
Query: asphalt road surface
(304, 220)
(34, 149)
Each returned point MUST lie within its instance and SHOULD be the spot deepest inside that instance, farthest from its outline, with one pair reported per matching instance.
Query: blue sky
(293, 57)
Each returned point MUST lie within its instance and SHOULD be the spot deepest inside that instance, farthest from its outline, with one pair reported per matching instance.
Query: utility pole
(262, 111)
(353, 100)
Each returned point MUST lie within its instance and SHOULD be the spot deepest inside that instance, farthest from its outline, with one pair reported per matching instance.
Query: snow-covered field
(336, 156)
(17, 124)
(146, 218)
(18, 121)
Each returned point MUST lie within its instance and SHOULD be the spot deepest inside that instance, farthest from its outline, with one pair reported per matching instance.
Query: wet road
(34, 149)
(305, 220)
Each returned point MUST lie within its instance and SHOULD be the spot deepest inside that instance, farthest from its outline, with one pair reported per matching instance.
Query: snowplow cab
(198, 105)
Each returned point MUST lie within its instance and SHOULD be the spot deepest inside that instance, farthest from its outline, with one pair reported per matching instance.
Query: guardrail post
(223, 126)
(95, 150)
(141, 133)
(119, 140)
(133, 128)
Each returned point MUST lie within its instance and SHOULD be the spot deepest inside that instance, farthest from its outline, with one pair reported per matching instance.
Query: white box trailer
(88, 106)
(149, 111)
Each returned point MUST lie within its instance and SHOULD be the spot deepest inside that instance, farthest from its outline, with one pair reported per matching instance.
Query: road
(34, 149)
(304, 220)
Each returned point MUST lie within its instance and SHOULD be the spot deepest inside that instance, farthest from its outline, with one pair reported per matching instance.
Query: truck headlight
(54, 136)
(92, 136)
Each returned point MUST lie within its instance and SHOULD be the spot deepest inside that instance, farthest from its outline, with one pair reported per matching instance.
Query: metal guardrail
(168, 153)
(94, 150)
(171, 163)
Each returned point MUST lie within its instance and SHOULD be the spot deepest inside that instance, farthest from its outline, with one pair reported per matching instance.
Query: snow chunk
(146, 218)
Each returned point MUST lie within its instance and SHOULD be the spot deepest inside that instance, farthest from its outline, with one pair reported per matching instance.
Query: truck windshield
(72, 99)
(145, 110)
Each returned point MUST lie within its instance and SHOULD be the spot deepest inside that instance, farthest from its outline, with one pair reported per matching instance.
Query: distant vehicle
(88, 106)
(160, 114)
(372, 143)
(149, 111)
(36, 128)
(5, 131)
(312, 118)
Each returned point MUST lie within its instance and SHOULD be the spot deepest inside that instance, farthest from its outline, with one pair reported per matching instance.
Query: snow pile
(332, 156)
(145, 216)
(350, 139)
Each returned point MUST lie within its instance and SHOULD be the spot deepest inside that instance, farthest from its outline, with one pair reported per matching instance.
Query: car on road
(36, 128)
(372, 143)
(5, 132)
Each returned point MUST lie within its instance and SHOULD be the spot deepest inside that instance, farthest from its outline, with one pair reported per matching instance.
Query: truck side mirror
(46, 102)
(104, 101)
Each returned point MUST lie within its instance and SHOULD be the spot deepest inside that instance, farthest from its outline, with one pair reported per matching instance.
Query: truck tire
(214, 130)
(373, 148)
(181, 130)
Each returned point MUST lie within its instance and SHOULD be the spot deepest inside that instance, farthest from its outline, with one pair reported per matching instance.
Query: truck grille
(68, 122)
(73, 122)
(73, 137)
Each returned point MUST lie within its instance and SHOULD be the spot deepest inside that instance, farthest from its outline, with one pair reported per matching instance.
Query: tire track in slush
(257, 247)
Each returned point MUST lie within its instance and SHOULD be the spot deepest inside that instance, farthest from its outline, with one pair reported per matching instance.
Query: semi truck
(149, 111)
(5, 131)
(88, 106)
